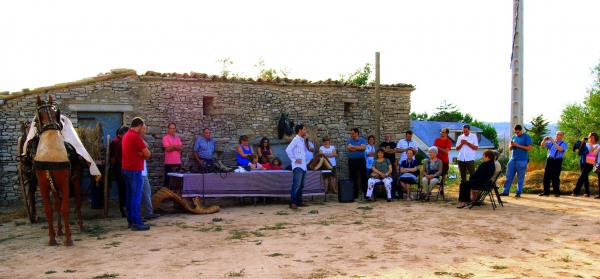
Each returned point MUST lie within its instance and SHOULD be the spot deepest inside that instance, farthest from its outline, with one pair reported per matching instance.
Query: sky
(458, 51)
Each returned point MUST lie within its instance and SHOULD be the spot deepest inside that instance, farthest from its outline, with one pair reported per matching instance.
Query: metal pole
(516, 106)
(377, 100)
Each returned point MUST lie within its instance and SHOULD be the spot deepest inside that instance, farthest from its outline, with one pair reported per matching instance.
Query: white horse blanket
(70, 135)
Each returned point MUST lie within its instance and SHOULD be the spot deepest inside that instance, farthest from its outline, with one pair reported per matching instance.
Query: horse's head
(48, 115)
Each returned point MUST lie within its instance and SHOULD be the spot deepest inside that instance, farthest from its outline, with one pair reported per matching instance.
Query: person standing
(135, 152)
(466, 145)
(116, 173)
(405, 144)
(147, 195)
(588, 148)
(356, 161)
(520, 145)
(296, 152)
(204, 150)
(389, 152)
(444, 145)
(172, 146)
(370, 154)
(556, 151)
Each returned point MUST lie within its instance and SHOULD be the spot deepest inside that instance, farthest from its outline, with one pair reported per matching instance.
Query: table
(247, 184)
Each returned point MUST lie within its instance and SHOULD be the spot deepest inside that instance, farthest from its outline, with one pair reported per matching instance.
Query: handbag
(590, 158)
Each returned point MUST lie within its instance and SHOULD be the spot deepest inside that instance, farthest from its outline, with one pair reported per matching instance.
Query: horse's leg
(45, 193)
(57, 203)
(76, 180)
(62, 181)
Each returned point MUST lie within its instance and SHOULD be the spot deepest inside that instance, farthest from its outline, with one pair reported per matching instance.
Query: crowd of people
(368, 165)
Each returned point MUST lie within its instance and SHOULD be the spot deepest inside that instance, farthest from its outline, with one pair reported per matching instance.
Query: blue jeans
(147, 196)
(297, 186)
(133, 184)
(519, 167)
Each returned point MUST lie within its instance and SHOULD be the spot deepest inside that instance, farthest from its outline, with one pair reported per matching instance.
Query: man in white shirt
(405, 144)
(296, 152)
(467, 145)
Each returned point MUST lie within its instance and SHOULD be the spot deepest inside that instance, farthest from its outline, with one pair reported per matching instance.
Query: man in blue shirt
(519, 146)
(204, 150)
(356, 161)
(556, 151)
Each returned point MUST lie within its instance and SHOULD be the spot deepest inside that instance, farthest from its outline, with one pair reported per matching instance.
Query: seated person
(469, 189)
(496, 165)
(409, 171)
(242, 151)
(432, 170)
(254, 164)
(276, 164)
(264, 161)
(380, 172)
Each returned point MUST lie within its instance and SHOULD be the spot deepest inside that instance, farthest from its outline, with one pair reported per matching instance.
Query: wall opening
(348, 109)
(208, 105)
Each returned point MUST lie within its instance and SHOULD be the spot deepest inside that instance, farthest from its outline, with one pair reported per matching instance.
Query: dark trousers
(464, 194)
(464, 167)
(552, 175)
(170, 168)
(358, 175)
(583, 179)
(396, 191)
(120, 181)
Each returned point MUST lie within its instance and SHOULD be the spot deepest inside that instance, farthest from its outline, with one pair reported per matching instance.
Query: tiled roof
(428, 131)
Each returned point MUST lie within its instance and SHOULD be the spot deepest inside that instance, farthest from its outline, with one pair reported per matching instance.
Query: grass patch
(238, 234)
(583, 239)
(257, 233)
(366, 207)
(235, 273)
(50, 272)
(314, 211)
(107, 275)
(441, 273)
(274, 255)
(96, 230)
(548, 239)
(154, 250)
(499, 267)
(19, 223)
(10, 237)
(371, 256)
(113, 244)
(217, 220)
(324, 223)
(70, 271)
(566, 259)
(277, 226)
(282, 212)
(359, 222)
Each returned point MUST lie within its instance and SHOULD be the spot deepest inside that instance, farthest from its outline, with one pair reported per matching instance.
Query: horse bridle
(53, 113)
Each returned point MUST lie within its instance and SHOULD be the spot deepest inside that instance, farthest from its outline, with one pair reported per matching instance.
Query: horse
(285, 127)
(53, 168)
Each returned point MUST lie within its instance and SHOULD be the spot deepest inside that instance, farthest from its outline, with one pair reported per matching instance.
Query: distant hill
(505, 131)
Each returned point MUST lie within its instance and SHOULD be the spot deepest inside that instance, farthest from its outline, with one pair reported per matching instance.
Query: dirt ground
(531, 237)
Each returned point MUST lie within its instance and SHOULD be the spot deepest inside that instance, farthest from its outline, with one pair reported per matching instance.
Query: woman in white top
(370, 153)
(329, 152)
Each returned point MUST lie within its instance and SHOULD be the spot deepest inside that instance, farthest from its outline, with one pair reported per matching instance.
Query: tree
(266, 73)
(539, 128)
(577, 120)
(419, 116)
(225, 63)
(360, 77)
(488, 131)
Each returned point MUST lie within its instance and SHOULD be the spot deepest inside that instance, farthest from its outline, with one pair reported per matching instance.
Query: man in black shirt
(389, 152)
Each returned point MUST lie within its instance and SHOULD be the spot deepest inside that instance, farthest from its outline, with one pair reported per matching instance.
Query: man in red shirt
(134, 153)
(444, 145)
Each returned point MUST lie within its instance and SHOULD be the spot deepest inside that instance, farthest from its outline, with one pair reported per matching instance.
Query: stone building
(229, 107)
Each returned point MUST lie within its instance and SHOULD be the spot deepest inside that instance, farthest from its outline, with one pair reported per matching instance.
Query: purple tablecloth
(248, 184)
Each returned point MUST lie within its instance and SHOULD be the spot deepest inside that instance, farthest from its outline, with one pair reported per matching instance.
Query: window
(208, 105)
(348, 108)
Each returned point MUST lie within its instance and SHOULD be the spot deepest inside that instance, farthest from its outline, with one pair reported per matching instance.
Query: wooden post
(106, 174)
(377, 100)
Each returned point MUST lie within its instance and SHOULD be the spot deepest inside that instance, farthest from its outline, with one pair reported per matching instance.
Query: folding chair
(419, 190)
(487, 191)
(440, 191)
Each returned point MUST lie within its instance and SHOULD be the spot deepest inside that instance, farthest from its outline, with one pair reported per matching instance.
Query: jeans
(133, 184)
(147, 196)
(552, 175)
(519, 167)
(297, 186)
(584, 179)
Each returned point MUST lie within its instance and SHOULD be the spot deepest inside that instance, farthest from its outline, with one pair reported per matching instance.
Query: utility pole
(377, 100)
(516, 64)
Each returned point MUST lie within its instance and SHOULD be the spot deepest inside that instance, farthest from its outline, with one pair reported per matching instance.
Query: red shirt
(443, 143)
(133, 144)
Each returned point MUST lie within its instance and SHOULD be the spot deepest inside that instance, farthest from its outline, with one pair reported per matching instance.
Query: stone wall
(232, 108)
